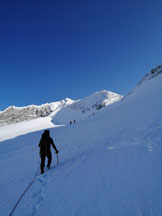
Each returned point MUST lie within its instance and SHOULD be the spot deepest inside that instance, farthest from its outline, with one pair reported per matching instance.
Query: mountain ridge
(94, 102)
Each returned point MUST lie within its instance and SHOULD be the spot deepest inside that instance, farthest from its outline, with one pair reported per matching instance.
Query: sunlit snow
(110, 163)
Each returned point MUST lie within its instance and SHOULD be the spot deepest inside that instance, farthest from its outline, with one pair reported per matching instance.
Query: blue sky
(50, 50)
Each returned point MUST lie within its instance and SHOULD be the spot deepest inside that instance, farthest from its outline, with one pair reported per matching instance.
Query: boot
(42, 171)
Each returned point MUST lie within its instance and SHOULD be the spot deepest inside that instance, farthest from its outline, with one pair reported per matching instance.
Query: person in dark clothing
(45, 149)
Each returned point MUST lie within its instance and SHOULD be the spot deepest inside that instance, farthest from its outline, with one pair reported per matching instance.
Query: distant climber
(74, 121)
(70, 122)
(45, 149)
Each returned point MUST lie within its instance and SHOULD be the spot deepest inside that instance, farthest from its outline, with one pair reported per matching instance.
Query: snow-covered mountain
(110, 164)
(96, 101)
(86, 105)
(15, 114)
(85, 108)
(152, 74)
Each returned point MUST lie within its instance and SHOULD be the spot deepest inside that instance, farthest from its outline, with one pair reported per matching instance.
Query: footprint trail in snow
(38, 195)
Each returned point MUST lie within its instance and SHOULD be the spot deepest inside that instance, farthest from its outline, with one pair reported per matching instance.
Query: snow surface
(14, 130)
(110, 165)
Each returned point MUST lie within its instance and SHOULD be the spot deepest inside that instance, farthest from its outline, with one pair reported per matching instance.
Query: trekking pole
(57, 158)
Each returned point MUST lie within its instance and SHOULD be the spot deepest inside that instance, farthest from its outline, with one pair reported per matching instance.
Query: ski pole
(57, 158)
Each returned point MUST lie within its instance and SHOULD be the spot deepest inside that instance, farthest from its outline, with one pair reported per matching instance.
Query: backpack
(43, 146)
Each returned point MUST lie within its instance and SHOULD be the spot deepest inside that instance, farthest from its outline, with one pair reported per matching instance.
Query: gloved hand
(57, 152)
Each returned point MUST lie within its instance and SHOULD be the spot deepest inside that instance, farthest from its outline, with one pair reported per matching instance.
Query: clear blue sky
(54, 49)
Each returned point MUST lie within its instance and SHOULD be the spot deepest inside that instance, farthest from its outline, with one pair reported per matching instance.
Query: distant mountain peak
(97, 101)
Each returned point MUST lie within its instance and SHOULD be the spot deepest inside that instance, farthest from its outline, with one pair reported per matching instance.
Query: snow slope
(110, 164)
(86, 107)
(20, 128)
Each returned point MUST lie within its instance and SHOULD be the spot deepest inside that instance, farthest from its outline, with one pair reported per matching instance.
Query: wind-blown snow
(110, 164)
